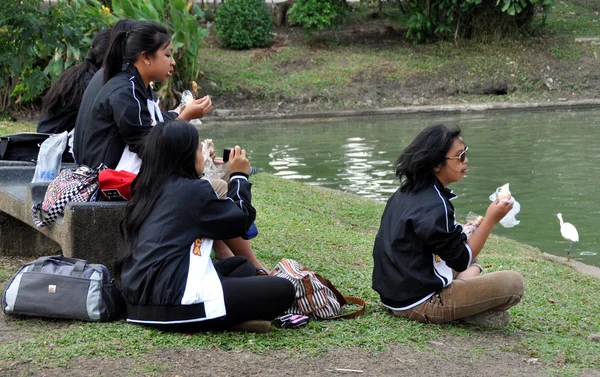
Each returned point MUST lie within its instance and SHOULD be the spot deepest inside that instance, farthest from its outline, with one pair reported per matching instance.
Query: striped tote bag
(313, 298)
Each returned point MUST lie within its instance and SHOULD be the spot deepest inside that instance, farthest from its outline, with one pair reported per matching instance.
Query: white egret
(569, 233)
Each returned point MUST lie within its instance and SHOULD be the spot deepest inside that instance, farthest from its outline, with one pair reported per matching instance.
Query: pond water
(551, 160)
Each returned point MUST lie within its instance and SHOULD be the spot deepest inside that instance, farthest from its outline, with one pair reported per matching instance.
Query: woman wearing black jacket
(168, 278)
(422, 258)
(125, 109)
(61, 103)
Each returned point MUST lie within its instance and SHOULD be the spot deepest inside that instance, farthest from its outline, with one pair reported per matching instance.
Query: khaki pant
(220, 187)
(464, 297)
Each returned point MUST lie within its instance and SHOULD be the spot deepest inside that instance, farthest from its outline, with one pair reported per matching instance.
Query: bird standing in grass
(569, 233)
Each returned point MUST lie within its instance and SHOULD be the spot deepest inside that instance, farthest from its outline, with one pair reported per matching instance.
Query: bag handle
(354, 314)
(79, 263)
(343, 300)
(78, 269)
(326, 282)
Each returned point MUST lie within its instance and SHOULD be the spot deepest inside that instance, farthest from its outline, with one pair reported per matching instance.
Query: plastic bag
(49, 158)
(211, 170)
(510, 219)
(473, 222)
(71, 136)
(188, 97)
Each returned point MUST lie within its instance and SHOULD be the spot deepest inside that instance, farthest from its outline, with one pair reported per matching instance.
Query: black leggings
(247, 297)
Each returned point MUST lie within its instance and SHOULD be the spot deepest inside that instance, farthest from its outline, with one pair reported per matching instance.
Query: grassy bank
(370, 63)
(332, 233)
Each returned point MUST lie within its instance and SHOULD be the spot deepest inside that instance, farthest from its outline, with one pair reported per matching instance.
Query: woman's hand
(497, 210)
(238, 161)
(196, 109)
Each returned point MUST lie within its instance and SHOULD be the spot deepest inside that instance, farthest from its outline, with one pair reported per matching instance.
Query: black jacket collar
(448, 194)
(132, 71)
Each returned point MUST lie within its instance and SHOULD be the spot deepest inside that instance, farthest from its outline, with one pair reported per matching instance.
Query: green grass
(7, 127)
(570, 20)
(333, 233)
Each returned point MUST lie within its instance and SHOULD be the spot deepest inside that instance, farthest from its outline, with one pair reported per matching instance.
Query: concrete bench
(90, 230)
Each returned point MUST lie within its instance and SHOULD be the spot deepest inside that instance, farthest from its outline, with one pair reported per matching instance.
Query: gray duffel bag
(61, 287)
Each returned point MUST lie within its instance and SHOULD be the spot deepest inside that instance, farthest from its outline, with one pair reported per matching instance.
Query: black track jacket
(169, 277)
(417, 246)
(113, 116)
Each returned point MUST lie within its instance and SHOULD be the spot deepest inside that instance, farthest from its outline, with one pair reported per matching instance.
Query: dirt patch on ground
(482, 357)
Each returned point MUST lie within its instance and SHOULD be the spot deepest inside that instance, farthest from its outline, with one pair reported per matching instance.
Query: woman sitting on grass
(168, 278)
(420, 247)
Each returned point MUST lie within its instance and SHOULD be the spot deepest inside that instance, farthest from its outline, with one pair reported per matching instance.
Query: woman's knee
(283, 288)
(236, 266)
(512, 282)
(219, 186)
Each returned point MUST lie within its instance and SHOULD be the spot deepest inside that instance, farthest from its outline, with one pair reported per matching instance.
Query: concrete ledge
(416, 110)
(89, 230)
(581, 267)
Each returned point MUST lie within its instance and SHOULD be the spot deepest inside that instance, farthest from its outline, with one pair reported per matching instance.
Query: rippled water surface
(551, 160)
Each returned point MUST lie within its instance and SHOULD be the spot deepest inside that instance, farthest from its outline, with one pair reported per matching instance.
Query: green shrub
(445, 19)
(244, 24)
(38, 43)
(318, 14)
(181, 18)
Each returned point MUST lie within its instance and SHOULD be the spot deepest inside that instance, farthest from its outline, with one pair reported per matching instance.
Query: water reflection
(551, 160)
(282, 160)
(362, 172)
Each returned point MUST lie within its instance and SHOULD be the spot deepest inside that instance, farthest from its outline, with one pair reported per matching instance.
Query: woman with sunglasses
(423, 262)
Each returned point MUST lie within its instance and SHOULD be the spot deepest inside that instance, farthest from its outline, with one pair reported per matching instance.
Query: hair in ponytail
(126, 47)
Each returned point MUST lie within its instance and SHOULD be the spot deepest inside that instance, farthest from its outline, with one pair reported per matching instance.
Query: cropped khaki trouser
(220, 187)
(464, 297)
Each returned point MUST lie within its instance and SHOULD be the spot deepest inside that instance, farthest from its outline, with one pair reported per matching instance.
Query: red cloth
(115, 185)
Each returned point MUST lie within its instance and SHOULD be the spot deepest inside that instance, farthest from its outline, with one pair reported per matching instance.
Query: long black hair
(126, 47)
(414, 167)
(169, 150)
(68, 89)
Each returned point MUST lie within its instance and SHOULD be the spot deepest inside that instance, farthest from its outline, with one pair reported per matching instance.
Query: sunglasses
(462, 156)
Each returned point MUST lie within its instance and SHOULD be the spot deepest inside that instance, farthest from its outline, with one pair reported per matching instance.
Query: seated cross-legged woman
(168, 278)
(423, 262)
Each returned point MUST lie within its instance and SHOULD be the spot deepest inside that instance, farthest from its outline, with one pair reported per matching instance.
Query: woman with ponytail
(126, 108)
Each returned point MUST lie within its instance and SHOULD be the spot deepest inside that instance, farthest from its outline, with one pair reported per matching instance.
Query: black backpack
(25, 146)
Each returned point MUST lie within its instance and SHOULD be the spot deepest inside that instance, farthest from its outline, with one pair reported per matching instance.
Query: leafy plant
(244, 24)
(38, 43)
(444, 19)
(318, 14)
(181, 18)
